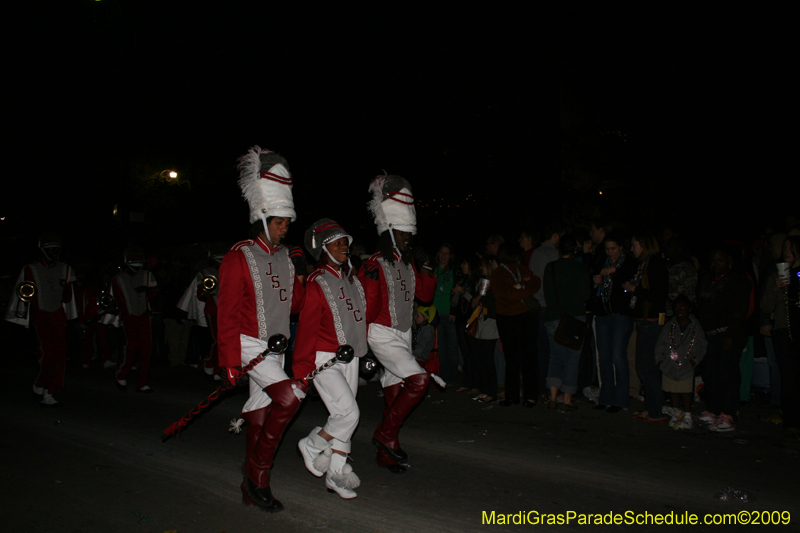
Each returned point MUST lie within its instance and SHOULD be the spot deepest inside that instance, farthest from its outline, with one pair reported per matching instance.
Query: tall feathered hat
(266, 184)
(392, 204)
(321, 233)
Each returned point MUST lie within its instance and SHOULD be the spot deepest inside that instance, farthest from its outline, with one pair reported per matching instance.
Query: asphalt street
(98, 464)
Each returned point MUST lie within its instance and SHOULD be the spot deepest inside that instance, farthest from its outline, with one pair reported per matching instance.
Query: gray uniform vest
(135, 301)
(400, 284)
(273, 281)
(49, 292)
(348, 306)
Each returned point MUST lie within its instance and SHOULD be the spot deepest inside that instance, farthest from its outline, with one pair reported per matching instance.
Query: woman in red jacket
(512, 283)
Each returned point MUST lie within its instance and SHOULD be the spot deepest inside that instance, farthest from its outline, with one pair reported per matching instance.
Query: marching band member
(133, 290)
(91, 298)
(44, 298)
(258, 290)
(199, 301)
(333, 315)
(391, 282)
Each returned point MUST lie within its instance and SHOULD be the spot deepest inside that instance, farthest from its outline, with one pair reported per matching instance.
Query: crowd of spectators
(615, 315)
(589, 316)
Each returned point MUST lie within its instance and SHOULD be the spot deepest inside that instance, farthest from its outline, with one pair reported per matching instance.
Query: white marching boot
(48, 400)
(312, 450)
(340, 478)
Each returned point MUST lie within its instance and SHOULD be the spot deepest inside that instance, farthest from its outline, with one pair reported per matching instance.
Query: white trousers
(393, 350)
(337, 386)
(266, 373)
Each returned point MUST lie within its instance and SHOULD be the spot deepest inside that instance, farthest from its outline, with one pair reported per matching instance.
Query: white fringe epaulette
(376, 189)
(249, 175)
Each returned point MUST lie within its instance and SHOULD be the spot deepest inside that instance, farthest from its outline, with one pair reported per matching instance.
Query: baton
(344, 354)
(277, 344)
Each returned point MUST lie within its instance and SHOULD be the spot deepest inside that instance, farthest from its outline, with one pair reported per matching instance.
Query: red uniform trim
(398, 193)
(274, 177)
(236, 303)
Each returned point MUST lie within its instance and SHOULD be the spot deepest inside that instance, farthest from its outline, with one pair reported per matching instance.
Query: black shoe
(398, 455)
(121, 387)
(262, 498)
(394, 469)
(600, 407)
(614, 409)
(530, 404)
(506, 403)
(145, 390)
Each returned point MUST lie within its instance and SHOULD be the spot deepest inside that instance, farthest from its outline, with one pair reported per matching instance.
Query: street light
(171, 173)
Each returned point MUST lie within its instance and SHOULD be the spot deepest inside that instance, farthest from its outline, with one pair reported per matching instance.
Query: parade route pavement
(97, 464)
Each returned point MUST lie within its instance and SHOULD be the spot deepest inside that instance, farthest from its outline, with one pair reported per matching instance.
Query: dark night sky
(474, 97)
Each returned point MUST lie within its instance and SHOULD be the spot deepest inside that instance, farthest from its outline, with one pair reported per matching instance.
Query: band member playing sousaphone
(392, 280)
(334, 314)
(258, 290)
(44, 298)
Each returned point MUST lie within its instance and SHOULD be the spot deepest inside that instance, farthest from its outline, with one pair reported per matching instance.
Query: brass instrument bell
(26, 291)
(210, 283)
(105, 301)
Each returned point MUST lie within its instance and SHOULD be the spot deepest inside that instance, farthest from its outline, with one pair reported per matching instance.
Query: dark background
(501, 116)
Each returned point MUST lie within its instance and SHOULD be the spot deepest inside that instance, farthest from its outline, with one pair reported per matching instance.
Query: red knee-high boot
(255, 422)
(386, 436)
(389, 396)
(260, 460)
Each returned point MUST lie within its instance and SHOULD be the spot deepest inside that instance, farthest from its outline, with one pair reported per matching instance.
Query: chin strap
(349, 264)
(266, 229)
(394, 243)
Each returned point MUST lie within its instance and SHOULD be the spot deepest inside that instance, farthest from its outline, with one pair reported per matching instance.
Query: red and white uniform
(258, 291)
(133, 293)
(88, 317)
(52, 306)
(390, 290)
(334, 314)
(390, 306)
